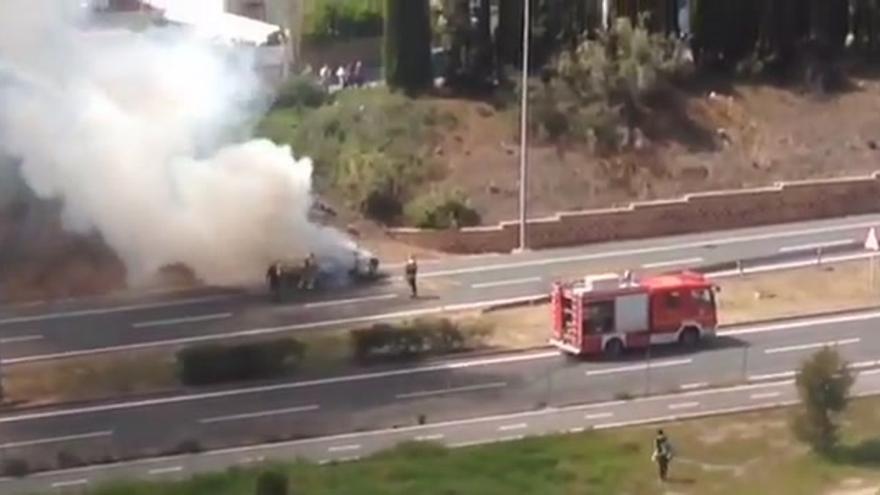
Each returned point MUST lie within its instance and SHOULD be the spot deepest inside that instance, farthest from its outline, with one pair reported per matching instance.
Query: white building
(218, 20)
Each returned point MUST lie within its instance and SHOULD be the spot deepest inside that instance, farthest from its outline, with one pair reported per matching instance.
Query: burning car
(322, 273)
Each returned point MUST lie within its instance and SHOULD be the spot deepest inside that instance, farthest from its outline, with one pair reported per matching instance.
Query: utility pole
(524, 133)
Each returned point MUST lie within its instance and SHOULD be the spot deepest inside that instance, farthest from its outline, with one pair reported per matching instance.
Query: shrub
(823, 385)
(14, 468)
(342, 19)
(302, 91)
(418, 338)
(601, 84)
(68, 460)
(272, 483)
(211, 364)
(442, 210)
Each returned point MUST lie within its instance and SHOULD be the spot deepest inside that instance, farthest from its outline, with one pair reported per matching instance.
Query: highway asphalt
(50, 330)
(439, 392)
(662, 409)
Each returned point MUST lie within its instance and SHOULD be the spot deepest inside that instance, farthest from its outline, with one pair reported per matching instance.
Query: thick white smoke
(139, 136)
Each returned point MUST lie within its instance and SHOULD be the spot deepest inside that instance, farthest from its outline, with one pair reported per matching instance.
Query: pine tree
(407, 44)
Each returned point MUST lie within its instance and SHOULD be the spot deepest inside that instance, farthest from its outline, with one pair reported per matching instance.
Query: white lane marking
(340, 302)
(772, 376)
(275, 330)
(694, 386)
(765, 395)
(694, 415)
(512, 438)
(579, 429)
(261, 414)
(111, 310)
(504, 283)
(814, 345)
(664, 264)
(447, 391)
(430, 438)
(251, 460)
(683, 405)
(166, 470)
(454, 365)
(67, 438)
(265, 448)
(817, 245)
(65, 484)
(603, 415)
(802, 323)
(513, 427)
(648, 250)
(20, 339)
(344, 448)
(639, 367)
(178, 321)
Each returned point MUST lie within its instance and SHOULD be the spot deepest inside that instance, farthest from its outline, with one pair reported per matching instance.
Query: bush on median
(417, 338)
(212, 364)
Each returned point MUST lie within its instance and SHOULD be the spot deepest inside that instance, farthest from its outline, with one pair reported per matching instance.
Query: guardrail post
(819, 256)
(745, 363)
(739, 268)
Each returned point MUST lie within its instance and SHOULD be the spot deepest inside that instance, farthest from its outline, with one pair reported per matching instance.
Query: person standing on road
(309, 273)
(412, 269)
(273, 276)
(662, 454)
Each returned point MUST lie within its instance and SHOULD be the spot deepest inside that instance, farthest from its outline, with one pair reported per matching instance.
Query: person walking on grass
(662, 454)
(412, 269)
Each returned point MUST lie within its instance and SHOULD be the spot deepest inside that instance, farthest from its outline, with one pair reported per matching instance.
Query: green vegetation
(730, 455)
(600, 87)
(371, 148)
(407, 47)
(823, 384)
(327, 20)
(441, 210)
(272, 483)
(301, 93)
(214, 363)
(413, 339)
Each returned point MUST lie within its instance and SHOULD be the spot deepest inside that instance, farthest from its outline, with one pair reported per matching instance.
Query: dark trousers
(413, 289)
(662, 466)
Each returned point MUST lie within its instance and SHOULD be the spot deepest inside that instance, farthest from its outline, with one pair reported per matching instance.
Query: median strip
(262, 414)
(453, 390)
(179, 321)
(68, 438)
(639, 367)
(811, 346)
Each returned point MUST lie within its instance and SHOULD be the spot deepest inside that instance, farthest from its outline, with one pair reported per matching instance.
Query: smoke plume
(140, 136)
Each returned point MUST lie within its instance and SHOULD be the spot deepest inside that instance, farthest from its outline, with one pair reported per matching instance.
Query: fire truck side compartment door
(631, 313)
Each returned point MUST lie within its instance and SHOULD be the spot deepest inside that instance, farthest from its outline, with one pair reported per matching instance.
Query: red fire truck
(606, 314)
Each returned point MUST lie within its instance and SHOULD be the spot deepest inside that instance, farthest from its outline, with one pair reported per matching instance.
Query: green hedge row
(214, 363)
(421, 337)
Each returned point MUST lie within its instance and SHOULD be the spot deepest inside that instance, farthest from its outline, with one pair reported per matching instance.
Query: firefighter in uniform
(273, 277)
(662, 454)
(412, 269)
(309, 273)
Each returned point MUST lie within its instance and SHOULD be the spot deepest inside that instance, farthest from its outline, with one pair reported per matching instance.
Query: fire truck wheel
(613, 348)
(689, 338)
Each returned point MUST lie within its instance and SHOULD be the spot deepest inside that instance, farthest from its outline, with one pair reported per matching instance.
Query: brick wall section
(784, 202)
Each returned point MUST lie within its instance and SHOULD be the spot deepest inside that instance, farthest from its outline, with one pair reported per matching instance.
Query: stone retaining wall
(784, 202)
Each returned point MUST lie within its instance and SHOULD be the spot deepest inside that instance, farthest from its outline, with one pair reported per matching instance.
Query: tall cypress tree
(407, 44)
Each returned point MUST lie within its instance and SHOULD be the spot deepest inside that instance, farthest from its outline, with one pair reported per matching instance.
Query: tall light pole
(524, 133)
